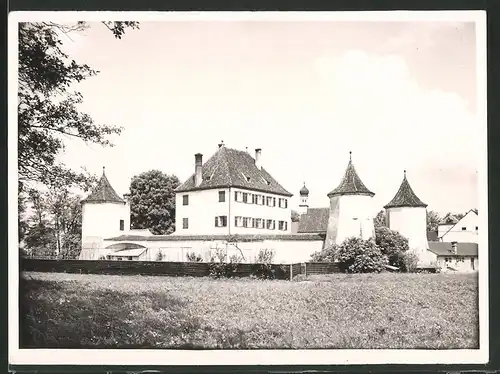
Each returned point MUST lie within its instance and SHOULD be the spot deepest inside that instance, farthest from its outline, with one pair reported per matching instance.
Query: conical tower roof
(103, 193)
(405, 197)
(351, 184)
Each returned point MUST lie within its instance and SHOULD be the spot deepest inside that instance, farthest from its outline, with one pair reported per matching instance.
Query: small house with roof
(464, 230)
(455, 256)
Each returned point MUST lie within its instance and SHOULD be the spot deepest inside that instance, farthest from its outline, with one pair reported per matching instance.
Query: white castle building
(232, 196)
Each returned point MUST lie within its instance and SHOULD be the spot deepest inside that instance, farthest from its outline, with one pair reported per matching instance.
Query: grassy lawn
(337, 311)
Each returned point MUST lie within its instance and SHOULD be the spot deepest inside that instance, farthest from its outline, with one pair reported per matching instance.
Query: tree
(48, 107)
(356, 255)
(433, 220)
(295, 216)
(152, 202)
(393, 245)
(379, 219)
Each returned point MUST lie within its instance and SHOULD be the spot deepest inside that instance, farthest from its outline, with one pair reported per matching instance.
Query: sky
(399, 95)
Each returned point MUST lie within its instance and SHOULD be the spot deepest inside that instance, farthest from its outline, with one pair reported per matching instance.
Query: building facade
(465, 230)
(232, 194)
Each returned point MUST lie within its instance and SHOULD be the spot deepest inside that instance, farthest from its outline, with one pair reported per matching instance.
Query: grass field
(385, 310)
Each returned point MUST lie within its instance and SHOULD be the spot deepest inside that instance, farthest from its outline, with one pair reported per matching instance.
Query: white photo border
(122, 357)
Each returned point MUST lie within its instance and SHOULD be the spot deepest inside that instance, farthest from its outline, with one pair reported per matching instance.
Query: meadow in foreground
(359, 311)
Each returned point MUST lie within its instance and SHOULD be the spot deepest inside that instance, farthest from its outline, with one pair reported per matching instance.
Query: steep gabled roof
(314, 221)
(351, 184)
(448, 219)
(445, 249)
(104, 193)
(405, 197)
(233, 168)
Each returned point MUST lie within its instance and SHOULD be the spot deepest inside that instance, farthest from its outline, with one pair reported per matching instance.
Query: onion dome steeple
(304, 191)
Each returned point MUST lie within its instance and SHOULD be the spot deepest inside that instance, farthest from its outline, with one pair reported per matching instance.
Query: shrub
(325, 255)
(410, 262)
(263, 265)
(159, 256)
(356, 255)
(194, 257)
(222, 267)
(393, 245)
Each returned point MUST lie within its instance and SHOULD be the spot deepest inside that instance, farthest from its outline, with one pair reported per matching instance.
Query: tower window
(464, 228)
(185, 223)
(122, 225)
(185, 199)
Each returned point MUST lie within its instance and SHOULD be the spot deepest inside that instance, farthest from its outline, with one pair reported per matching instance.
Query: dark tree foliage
(433, 219)
(295, 216)
(152, 202)
(48, 110)
(393, 245)
(379, 220)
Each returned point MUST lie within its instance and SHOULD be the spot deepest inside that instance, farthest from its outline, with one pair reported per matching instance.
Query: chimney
(258, 153)
(454, 247)
(221, 144)
(197, 169)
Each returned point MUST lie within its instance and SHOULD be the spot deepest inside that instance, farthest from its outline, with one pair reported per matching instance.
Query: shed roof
(405, 197)
(233, 168)
(445, 249)
(128, 252)
(351, 183)
(314, 221)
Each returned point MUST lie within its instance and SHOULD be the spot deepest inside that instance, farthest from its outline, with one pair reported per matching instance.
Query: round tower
(304, 197)
(351, 213)
(104, 215)
(407, 214)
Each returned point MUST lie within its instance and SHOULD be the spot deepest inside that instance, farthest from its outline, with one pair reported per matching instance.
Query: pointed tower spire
(104, 192)
(405, 197)
(351, 184)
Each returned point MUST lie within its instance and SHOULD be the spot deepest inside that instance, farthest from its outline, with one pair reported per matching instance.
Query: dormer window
(248, 179)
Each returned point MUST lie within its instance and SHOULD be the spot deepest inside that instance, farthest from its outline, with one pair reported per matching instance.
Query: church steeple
(351, 184)
(405, 197)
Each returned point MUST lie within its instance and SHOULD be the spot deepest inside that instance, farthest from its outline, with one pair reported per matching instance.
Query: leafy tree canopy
(152, 202)
(433, 219)
(48, 110)
(379, 219)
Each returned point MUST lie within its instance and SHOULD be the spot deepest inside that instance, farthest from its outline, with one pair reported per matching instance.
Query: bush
(325, 255)
(194, 257)
(222, 267)
(263, 265)
(356, 255)
(393, 245)
(410, 262)
(159, 256)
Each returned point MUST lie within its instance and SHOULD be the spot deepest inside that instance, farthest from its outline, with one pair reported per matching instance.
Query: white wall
(412, 224)
(204, 206)
(442, 229)
(464, 231)
(350, 215)
(286, 251)
(102, 220)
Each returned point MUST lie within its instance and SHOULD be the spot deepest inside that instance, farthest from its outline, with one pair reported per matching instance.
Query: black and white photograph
(247, 188)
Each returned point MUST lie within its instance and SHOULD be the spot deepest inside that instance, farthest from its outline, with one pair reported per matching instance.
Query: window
(122, 225)
(472, 263)
(185, 199)
(286, 226)
(259, 223)
(269, 201)
(254, 199)
(281, 225)
(283, 203)
(238, 196)
(222, 196)
(221, 221)
(245, 197)
(185, 223)
(254, 225)
(130, 258)
(274, 201)
(245, 222)
(238, 221)
(477, 228)
(464, 228)
(270, 224)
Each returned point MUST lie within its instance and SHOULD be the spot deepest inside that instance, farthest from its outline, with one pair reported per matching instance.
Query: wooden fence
(192, 269)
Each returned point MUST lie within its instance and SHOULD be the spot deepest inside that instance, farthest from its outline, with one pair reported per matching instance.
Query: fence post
(291, 271)
(305, 270)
